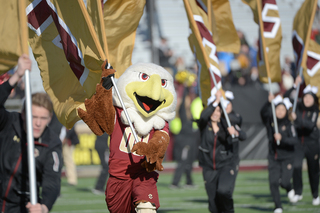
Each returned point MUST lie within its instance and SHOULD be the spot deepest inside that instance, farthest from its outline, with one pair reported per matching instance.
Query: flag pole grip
(221, 101)
(274, 112)
(124, 109)
(297, 93)
(30, 140)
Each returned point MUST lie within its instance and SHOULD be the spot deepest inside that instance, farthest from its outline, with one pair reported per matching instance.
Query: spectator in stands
(102, 148)
(289, 67)
(15, 192)
(281, 148)
(165, 54)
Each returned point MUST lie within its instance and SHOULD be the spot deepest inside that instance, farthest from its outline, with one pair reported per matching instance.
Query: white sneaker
(291, 194)
(316, 201)
(278, 210)
(296, 198)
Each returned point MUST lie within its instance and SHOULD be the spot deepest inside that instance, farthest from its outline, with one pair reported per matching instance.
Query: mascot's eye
(163, 82)
(143, 76)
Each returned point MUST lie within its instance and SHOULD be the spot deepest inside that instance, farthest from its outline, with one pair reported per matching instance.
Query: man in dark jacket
(14, 180)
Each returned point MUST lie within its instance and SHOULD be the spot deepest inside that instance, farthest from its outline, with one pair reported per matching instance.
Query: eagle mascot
(147, 92)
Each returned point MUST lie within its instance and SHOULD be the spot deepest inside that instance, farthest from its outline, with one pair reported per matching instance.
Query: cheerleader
(305, 120)
(215, 157)
(280, 155)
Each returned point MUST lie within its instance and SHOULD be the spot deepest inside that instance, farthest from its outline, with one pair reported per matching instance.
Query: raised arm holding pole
(221, 100)
(297, 92)
(266, 60)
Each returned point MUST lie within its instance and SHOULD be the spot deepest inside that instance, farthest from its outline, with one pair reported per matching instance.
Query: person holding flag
(215, 156)
(14, 188)
(305, 120)
(236, 121)
(280, 155)
(305, 113)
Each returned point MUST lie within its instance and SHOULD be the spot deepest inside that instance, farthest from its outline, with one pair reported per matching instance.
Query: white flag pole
(30, 140)
(124, 109)
(297, 93)
(221, 100)
(274, 112)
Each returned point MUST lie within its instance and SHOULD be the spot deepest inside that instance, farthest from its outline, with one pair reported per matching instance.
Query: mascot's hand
(154, 150)
(100, 113)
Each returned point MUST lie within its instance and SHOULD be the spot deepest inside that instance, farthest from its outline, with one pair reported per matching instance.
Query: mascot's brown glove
(154, 150)
(100, 112)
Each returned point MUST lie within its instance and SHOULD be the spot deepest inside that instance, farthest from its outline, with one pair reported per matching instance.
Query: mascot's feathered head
(148, 93)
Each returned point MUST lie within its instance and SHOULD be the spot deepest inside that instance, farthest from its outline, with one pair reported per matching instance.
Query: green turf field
(251, 196)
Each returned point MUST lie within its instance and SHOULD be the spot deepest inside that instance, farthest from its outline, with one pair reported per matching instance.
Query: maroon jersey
(122, 163)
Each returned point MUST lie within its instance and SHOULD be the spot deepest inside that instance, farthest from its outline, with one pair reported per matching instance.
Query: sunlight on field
(251, 195)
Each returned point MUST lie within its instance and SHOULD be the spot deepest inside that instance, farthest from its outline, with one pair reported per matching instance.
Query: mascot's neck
(142, 124)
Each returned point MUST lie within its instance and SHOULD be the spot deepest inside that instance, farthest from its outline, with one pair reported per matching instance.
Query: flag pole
(267, 66)
(124, 109)
(304, 53)
(28, 106)
(30, 140)
(197, 34)
(221, 100)
(297, 92)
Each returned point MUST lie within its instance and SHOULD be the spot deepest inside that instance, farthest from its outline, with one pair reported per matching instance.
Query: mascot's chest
(122, 140)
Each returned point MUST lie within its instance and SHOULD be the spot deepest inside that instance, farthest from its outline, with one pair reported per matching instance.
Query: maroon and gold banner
(68, 52)
(266, 15)
(304, 42)
(121, 19)
(221, 25)
(203, 47)
(14, 33)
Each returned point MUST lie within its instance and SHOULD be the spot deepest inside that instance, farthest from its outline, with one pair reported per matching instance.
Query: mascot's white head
(148, 93)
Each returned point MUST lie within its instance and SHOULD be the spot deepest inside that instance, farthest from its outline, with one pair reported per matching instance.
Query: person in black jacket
(236, 121)
(185, 145)
(215, 157)
(280, 155)
(14, 180)
(102, 148)
(305, 121)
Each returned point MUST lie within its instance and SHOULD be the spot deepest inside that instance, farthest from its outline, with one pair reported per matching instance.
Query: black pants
(220, 186)
(280, 173)
(184, 166)
(103, 155)
(312, 155)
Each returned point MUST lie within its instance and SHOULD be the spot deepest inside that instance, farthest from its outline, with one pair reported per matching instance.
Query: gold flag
(14, 33)
(68, 53)
(266, 15)
(94, 8)
(306, 48)
(223, 31)
(121, 19)
(204, 49)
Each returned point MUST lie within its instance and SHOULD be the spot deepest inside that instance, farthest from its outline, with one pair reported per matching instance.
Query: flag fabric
(306, 47)
(223, 30)
(203, 47)
(266, 15)
(14, 33)
(121, 19)
(68, 53)
(95, 11)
